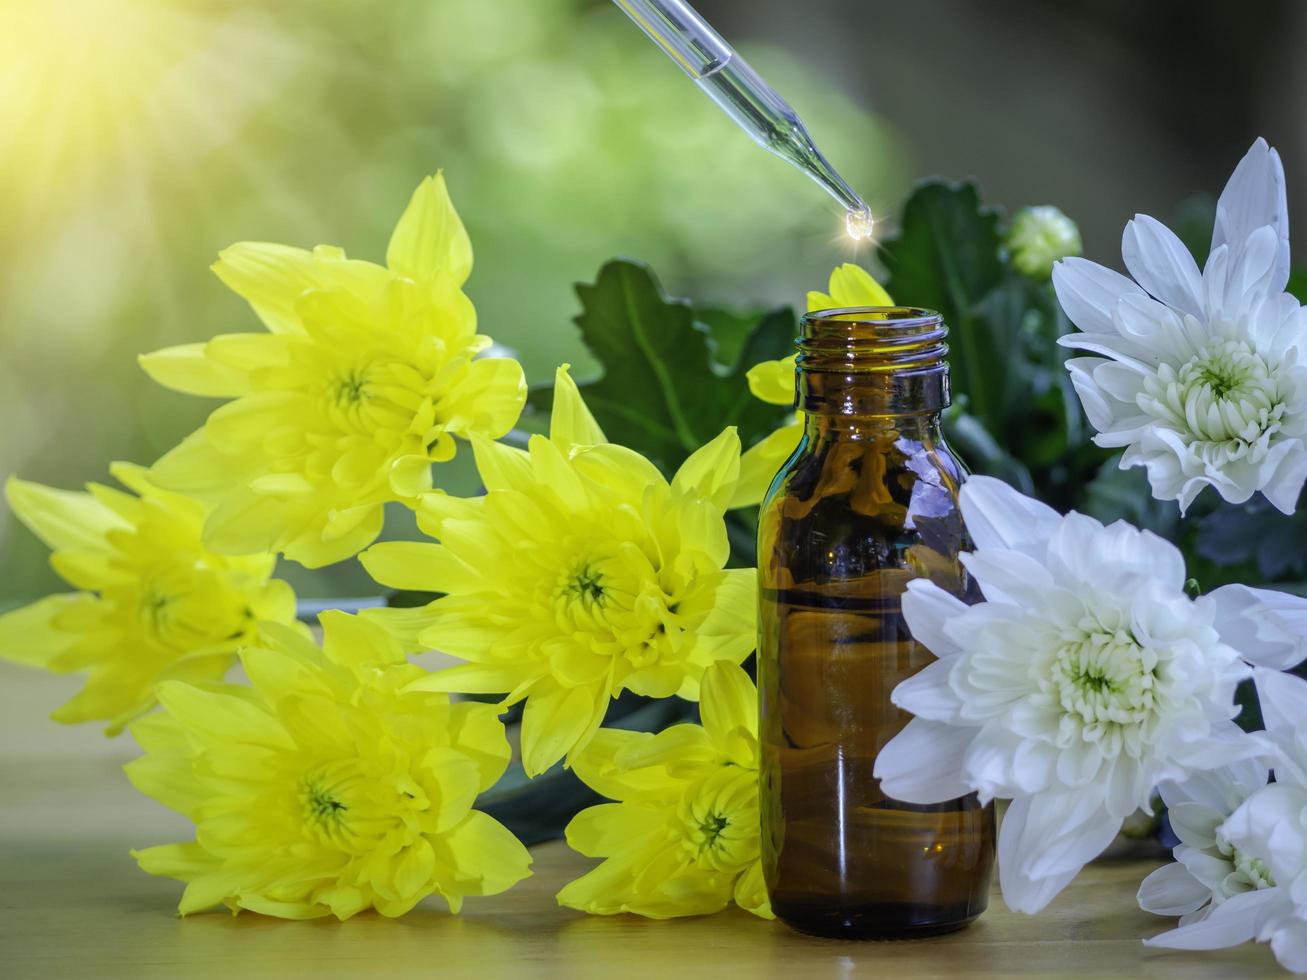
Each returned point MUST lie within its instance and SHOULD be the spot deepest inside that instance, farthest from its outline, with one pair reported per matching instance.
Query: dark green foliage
(1116, 494)
(663, 392)
(1021, 420)
(1257, 533)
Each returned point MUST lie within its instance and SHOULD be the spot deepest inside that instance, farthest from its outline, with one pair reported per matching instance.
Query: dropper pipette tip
(859, 223)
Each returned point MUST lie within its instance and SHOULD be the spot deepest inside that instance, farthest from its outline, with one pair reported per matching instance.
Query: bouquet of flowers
(599, 596)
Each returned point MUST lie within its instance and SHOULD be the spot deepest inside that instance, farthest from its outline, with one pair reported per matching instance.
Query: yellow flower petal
(352, 641)
(196, 467)
(183, 861)
(610, 828)
(418, 566)
(478, 729)
(501, 467)
(63, 519)
(410, 476)
(219, 718)
(554, 724)
(185, 368)
(597, 766)
(850, 285)
(751, 892)
(486, 399)
(271, 278)
(672, 749)
(729, 633)
(712, 470)
(760, 464)
(430, 236)
(773, 381)
(728, 705)
(617, 468)
(28, 634)
(570, 421)
(489, 860)
(469, 679)
(325, 548)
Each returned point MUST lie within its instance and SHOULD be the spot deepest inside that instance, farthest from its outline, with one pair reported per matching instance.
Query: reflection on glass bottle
(867, 503)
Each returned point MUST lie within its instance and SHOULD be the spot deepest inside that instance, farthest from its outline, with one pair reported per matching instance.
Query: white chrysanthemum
(1086, 678)
(1208, 869)
(1199, 375)
(1268, 832)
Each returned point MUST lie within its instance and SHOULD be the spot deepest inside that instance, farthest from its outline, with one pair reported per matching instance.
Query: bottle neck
(923, 428)
(874, 363)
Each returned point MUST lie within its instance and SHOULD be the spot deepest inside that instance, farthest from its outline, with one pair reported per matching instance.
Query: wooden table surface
(73, 904)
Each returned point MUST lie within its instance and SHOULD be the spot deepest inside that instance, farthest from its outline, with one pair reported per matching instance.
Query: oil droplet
(859, 224)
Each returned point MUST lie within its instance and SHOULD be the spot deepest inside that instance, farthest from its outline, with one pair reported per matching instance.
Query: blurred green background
(139, 137)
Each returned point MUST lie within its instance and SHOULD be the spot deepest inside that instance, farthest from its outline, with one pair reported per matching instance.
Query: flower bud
(1038, 237)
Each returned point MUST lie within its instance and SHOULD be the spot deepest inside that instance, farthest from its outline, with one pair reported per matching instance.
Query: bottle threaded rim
(872, 338)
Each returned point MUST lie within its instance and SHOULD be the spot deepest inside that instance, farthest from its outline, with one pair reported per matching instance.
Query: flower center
(184, 607)
(717, 817)
(586, 585)
(351, 388)
(322, 806)
(1226, 396)
(1106, 685)
(1249, 871)
(324, 812)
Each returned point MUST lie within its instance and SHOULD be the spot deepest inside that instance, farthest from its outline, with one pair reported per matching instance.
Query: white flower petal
(1269, 825)
(1283, 698)
(1101, 409)
(1089, 293)
(926, 608)
(1219, 790)
(1172, 890)
(1044, 842)
(1006, 575)
(1209, 869)
(1251, 271)
(1285, 485)
(927, 693)
(1081, 547)
(1268, 628)
(1230, 923)
(923, 763)
(1162, 264)
(1194, 823)
(1289, 944)
(997, 516)
(1255, 196)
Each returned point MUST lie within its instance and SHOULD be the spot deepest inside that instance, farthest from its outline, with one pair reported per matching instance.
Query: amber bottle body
(867, 503)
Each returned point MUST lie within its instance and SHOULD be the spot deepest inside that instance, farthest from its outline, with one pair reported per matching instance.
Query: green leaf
(946, 258)
(1116, 494)
(1298, 285)
(981, 452)
(1256, 532)
(662, 392)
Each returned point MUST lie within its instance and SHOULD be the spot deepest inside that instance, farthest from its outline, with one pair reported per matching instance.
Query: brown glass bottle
(867, 503)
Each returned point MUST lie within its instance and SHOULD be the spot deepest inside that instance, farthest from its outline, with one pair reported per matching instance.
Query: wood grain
(73, 904)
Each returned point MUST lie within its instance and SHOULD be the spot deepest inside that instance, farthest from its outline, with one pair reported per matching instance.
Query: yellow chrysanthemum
(365, 379)
(155, 603)
(773, 382)
(581, 573)
(327, 787)
(683, 838)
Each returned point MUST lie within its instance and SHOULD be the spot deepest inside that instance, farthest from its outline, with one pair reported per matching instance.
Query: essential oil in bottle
(868, 502)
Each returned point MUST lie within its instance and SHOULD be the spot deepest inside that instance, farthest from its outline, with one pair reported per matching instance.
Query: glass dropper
(717, 68)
